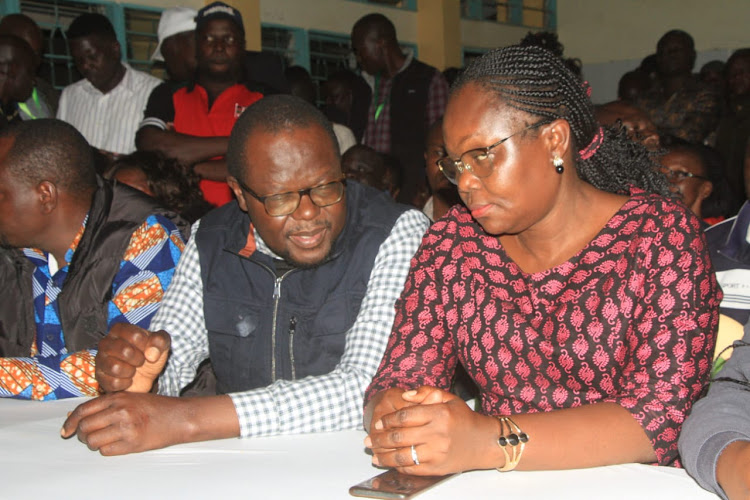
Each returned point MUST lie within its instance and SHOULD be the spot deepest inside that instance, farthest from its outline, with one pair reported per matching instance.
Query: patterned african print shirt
(51, 372)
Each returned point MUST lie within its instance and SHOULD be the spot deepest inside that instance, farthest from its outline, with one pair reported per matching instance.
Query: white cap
(173, 21)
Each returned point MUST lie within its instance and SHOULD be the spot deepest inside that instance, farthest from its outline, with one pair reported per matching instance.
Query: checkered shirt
(314, 404)
(378, 131)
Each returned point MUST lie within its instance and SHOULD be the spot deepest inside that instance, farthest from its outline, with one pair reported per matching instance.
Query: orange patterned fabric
(50, 372)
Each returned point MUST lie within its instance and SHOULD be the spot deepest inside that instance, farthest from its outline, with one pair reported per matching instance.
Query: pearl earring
(558, 163)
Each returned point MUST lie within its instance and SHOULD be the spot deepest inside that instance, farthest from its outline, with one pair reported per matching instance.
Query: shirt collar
(37, 255)
(737, 244)
(127, 83)
(370, 79)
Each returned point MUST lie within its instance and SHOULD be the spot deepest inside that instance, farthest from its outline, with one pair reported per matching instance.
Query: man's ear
(705, 190)
(117, 49)
(237, 190)
(48, 196)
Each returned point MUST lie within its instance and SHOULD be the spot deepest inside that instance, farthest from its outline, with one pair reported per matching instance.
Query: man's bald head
(24, 27)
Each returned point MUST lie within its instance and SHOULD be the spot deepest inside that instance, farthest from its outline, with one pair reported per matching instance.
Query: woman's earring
(558, 163)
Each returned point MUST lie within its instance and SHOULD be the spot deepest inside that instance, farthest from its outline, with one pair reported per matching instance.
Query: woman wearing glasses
(579, 298)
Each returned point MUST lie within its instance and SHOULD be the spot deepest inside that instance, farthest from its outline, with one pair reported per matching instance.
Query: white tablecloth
(36, 463)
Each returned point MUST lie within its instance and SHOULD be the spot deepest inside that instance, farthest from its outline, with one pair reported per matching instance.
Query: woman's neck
(565, 231)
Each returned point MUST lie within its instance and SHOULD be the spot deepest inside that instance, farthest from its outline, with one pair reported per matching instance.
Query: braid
(537, 82)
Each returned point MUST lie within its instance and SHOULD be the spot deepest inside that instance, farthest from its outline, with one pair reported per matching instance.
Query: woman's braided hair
(535, 81)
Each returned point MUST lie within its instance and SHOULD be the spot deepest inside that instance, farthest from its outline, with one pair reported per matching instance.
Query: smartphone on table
(393, 484)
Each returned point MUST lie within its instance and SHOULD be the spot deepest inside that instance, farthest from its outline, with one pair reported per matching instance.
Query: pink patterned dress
(631, 319)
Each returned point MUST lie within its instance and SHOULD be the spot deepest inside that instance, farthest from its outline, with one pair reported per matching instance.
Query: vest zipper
(292, 328)
(276, 300)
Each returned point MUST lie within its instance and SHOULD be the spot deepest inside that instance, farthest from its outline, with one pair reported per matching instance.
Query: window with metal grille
(399, 4)
(329, 53)
(531, 13)
(288, 43)
(135, 28)
(141, 39)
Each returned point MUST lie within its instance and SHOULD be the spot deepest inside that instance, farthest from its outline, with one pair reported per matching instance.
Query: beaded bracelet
(514, 438)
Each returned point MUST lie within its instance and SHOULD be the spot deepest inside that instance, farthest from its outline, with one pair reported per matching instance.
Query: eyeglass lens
(286, 203)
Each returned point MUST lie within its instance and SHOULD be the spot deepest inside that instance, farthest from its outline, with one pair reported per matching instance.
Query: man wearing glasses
(290, 290)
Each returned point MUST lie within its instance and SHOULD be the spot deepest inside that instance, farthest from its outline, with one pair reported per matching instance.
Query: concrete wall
(334, 16)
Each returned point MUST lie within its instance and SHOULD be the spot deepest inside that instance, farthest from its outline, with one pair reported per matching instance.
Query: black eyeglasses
(477, 161)
(681, 175)
(279, 205)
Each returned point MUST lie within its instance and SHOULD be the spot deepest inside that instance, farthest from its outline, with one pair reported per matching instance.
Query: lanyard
(379, 105)
(25, 108)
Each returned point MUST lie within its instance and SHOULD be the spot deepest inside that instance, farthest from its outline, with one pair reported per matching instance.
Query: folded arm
(188, 149)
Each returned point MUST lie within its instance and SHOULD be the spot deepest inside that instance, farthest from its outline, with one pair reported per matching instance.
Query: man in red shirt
(194, 125)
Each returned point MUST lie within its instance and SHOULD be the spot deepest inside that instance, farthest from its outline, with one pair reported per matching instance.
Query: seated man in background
(16, 78)
(696, 176)
(302, 85)
(639, 126)
(77, 257)
(734, 128)
(679, 103)
(44, 97)
(107, 105)
(366, 166)
(193, 124)
(290, 290)
(168, 181)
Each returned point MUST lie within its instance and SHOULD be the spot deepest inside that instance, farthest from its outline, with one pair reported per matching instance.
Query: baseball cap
(219, 10)
(173, 21)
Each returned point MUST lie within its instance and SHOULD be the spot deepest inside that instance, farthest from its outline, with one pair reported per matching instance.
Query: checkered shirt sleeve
(314, 404)
(181, 315)
(437, 97)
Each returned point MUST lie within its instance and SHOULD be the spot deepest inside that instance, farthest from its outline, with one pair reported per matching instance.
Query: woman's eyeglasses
(479, 162)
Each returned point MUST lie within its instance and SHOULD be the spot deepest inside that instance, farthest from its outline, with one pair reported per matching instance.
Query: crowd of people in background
(238, 233)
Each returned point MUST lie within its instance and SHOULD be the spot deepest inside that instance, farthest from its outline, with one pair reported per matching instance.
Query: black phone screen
(393, 484)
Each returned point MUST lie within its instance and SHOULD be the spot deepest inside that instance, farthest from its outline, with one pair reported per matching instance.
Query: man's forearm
(213, 170)
(187, 149)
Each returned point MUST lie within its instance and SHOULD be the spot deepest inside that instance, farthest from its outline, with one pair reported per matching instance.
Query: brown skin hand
(449, 437)
(128, 422)
(733, 470)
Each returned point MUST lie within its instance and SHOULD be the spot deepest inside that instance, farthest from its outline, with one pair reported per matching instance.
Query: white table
(36, 463)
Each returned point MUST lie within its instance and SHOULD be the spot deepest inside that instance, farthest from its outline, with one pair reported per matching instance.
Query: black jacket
(116, 212)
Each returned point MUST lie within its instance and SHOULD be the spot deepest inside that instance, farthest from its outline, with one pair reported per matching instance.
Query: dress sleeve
(420, 350)
(671, 340)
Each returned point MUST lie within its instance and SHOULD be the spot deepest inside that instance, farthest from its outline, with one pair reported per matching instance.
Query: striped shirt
(314, 404)
(108, 121)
